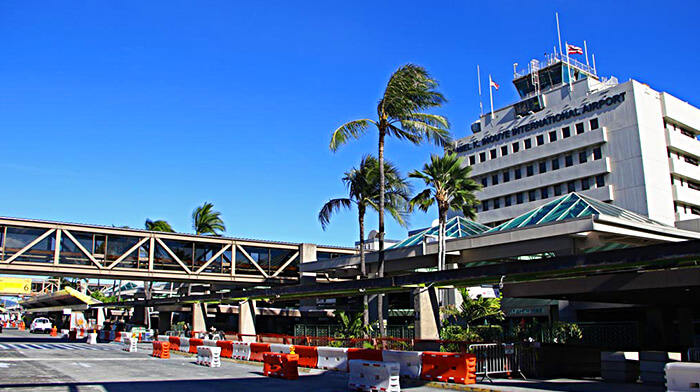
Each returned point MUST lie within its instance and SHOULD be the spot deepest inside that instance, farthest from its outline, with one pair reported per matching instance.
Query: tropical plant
(351, 328)
(363, 188)
(159, 225)
(409, 91)
(450, 186)
(100, 296)
(206, 221)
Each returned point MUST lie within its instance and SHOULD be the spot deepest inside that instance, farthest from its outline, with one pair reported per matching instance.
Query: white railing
(552, 59)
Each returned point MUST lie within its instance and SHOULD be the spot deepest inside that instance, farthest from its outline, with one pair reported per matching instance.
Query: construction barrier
(163, 338)
(208, 356)
(130, 345)
(161, 349)
(240, 350)
(682, 377)
(448, 367)
(64, 333)
(409, 361)
(209, 343)
(54, 332)
(281, 365)
(184, 345)
(280, 348)
(194, 343)
(174, 343)
(332, 358)
(694, 354)
(308, 356)
(92, 338)
(619, 366)
(372, 376)
(495, 358)
(365, 354)
(652, 363)
(257, 350)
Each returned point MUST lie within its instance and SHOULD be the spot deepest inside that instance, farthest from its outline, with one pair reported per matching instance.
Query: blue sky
(112, 112)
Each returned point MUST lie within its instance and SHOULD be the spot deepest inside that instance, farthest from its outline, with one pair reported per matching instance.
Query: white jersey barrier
(651, 365)
(185, 344)
(241, 350)
(209, 356)
(163, 338)
(333, 358)
(410, 362)
(373, 376)
(92, 338)
(682, 376)
(64, 333)
(130, 344)
(280, 348)
(209, 343)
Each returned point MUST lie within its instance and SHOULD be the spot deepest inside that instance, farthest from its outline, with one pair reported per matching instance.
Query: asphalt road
(41, 363)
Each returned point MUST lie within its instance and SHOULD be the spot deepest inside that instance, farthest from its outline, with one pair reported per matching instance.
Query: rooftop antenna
(515, 70)
(559, 34)
(585, 49)
(595, 71)
(478, 78)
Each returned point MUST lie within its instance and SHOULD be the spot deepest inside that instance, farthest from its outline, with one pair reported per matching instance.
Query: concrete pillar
(685, 326)
(101, 317)
(138, 315)
(307, 253)
(427, 318)
(246, 320)
(199, 321)
(165, 321)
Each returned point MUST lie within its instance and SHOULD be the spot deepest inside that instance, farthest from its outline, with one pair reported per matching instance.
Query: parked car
(40, 324)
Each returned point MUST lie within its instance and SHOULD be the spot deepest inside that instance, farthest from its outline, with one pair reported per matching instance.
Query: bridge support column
(246, 320)
(427, 318)
(165, 321)
(101, 317)
(199, 320)
(307, 253)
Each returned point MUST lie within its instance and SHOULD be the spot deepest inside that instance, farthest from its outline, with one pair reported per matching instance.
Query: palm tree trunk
(363, 267)
(441, 249)
(382, 190)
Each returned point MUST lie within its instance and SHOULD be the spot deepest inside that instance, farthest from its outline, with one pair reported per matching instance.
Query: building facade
(571, 131)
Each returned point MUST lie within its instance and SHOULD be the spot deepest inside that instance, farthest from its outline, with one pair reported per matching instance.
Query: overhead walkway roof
(456, 227)
(67, 298)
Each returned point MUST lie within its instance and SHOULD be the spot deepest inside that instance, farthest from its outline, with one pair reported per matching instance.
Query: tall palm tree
(363, 187)
(450, 186)
(409, 91)
(159, 225)
(206, 221)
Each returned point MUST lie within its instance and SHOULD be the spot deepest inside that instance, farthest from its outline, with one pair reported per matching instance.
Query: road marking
(55, 346)
(72, 359)
(4, 365)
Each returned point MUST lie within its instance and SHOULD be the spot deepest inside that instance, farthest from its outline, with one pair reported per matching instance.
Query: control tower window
(492, 153)
(540, 140)
(516, 147)
(504, 151)
(553, 136)
(582, 157)
(528, 143)
(566, 132)
(518, 173)
(579, 128)
(569, 160)
(472, 159)
(594, 124)
(597, 153)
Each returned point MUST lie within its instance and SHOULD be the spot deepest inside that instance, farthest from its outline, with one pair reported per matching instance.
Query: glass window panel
(163, 261)
(117, 245)
(71, 254)
(184, 250)
(19, 237)
(281, 256)
(260, 255)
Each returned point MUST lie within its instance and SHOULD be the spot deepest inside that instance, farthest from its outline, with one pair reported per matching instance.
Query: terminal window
(485, 205)
(555, 164)
(543, 167)
(579, 128)
(496, 203)
(540, 140)
(594, 124)
(528, 144)
(506, 176)
(530, 170)
(508, 200)
(582, 157)
(585, 184)
(504, 151)
(494, 179)
(565, 132)
(544, 192)
(569, 160)
(600, 180)
(597, 153)
(570, 186)
(482, 157)
(519, 198)
(493, 153)
(531, 195)
(553, 136)
(516, 147)
(472, 159)
(518, 173)
(557, 190)
(484, 182)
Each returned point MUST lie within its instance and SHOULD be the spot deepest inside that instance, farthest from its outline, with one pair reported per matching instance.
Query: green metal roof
(456, 227)
(571, 206)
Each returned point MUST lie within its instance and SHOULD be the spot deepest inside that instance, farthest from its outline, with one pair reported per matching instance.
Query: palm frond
(332, 206)
(351, 130)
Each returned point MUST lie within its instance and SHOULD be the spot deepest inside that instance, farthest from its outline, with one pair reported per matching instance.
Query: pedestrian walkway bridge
(32, 247)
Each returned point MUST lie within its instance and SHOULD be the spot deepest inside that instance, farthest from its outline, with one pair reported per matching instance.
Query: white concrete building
(626, 144)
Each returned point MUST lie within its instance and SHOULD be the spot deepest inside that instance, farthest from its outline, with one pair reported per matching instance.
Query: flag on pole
(493, 84)
(571, 49)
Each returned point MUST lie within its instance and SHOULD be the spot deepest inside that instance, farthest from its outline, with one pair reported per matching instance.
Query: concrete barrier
(409, 361)
(371, 376)
(332, 358)
(682, 377)
(619, 366)
(209, 356)
(651, 365)
(92, 338)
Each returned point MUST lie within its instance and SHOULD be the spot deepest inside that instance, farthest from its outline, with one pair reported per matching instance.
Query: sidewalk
(562, 384)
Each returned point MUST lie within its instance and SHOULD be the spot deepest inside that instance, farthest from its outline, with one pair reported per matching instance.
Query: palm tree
(205, 221)
(159, 225)
(409, 91)
(450, 186)
(363, 188)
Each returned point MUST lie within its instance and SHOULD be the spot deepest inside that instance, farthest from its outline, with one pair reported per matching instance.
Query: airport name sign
(549, 120)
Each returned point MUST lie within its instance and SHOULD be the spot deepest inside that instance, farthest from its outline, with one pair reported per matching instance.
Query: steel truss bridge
(32, 247)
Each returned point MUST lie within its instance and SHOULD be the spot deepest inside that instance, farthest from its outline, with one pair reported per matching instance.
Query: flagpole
(481, 104)
(595, 71)
(491, 96)
(568, 67)
(585, 48)
(559, 33)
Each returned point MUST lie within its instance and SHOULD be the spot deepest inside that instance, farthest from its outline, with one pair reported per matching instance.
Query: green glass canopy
(456, 227)
(571, 206)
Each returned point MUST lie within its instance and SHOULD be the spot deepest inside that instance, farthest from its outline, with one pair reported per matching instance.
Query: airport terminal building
(572, 131)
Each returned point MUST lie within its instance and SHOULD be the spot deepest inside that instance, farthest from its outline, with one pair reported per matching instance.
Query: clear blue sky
(112, 112)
